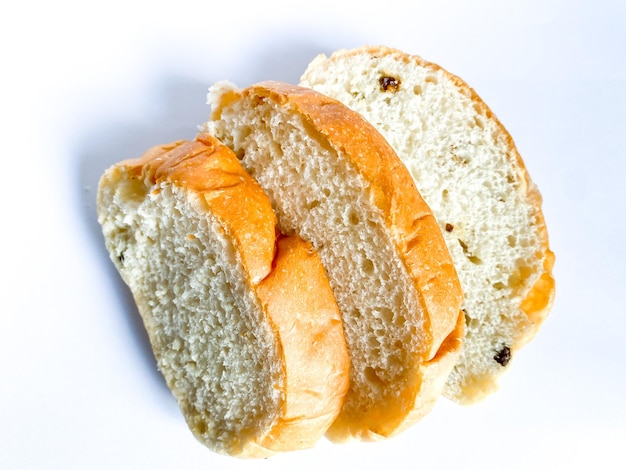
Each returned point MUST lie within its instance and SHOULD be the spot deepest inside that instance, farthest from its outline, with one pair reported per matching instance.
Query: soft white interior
(318, 193)
(461, 164)
(207, 329)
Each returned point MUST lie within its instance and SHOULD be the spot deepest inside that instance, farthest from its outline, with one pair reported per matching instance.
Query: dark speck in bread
(388, 83)
(503, 356)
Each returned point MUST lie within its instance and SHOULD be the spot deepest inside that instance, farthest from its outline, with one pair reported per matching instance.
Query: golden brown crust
(286, 274)
(311, 334)
(210, 169)
(418, 241)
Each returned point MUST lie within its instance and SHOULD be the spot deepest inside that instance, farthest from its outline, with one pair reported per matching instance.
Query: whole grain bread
(242, 320)
(335, 181)
(470, 173)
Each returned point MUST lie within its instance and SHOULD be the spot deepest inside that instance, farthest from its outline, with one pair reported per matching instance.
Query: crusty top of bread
(469, 171)
(206, 167)
(242, 320)
(336, 181)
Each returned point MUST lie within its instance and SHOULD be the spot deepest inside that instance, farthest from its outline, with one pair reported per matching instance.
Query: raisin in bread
(243, 323)
(468, 170)
(336, 182)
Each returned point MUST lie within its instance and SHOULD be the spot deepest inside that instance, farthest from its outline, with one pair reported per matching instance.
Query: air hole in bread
(395, 362)
(386, 314)
(417, 90)
(475, 259)
(384, 276)
(371, 224)
(470, 256)
(201, 427)
(133, 192)
(373, 343)
(399, 320)
(313, 204)
(431, 79)
(367, 266)
(471, 323)
(191, 367)
(520, 276)
(353, 217)
(243, 132)
(371, 375)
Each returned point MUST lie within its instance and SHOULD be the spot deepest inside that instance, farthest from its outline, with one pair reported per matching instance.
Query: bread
(242, 320)
(337, 183)
(469, 171)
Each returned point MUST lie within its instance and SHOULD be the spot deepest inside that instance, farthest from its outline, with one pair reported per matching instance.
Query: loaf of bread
(335, 181)
(242, 320)
(470, 173)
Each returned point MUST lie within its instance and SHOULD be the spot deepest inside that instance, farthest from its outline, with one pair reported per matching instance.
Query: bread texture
(242, 320)
(470, 173)
(335, 181)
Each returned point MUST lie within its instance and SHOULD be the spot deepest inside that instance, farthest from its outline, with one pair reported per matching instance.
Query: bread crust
(301, 305)
(538, 301)
(418, 242)
(285, 273)
(209, 169)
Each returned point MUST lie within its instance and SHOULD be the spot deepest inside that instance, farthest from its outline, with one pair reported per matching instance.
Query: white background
(87, 84)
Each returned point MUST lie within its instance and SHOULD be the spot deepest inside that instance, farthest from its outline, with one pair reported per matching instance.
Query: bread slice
(243, 323)
(336, 182)
(468, 170)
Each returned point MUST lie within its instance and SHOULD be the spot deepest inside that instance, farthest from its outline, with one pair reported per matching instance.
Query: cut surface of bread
(470, 173)
(242, 320)
(336, 182)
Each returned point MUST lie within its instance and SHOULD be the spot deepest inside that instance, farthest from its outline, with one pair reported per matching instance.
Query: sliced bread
(470, 173)
(335, 181)
(242, 321)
